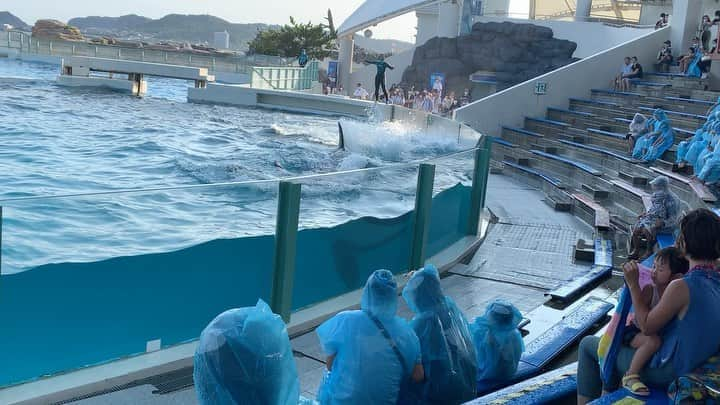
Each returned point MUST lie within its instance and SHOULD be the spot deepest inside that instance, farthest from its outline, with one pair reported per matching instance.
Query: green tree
(288, 40)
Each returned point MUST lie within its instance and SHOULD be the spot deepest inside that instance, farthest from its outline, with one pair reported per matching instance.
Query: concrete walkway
(528, 252)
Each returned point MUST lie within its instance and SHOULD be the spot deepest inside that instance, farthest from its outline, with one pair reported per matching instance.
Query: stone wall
(515, 52)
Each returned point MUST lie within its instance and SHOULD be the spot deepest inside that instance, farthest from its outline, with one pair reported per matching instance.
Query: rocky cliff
(515, 52)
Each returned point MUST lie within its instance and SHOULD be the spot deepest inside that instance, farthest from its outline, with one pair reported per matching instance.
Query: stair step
(597, 193)
(638, 181)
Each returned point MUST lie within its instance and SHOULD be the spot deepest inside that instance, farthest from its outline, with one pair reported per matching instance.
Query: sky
(237, 11)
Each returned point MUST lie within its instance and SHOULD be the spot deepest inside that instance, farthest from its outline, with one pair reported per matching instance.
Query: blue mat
(546, 347)
(547, 388)
(601, 269)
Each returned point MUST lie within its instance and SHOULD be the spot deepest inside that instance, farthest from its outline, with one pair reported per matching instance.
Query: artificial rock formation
(515, 52)
(53, 29)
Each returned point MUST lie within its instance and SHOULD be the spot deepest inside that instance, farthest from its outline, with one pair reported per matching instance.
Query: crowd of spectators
(434, 100)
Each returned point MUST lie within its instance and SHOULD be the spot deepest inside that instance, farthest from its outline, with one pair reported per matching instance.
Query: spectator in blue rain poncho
(244, 357)
(710, 148)
(689, 149)
(710, 173)
(651, 146)
(448, 353)
(371, 352)
(498, 341)
(700, 145)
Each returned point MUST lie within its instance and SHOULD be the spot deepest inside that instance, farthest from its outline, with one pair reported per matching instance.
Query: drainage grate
(164, 384)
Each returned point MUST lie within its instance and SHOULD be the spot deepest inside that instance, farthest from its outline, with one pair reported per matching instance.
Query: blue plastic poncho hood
(380, 294)
(422, 292)
(448, 351)
(498, 342)
(244, 357)
(660, 115)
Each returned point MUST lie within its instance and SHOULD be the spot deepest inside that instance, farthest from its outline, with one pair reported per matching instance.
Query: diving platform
(78, 71)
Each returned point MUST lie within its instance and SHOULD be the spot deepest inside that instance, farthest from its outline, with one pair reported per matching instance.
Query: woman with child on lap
(678, 321)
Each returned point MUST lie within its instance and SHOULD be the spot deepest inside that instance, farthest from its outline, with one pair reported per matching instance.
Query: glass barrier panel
(87, 280)
(352, 224)
(450, 211)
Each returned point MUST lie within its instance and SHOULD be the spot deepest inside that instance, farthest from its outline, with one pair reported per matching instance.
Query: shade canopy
(373, 12)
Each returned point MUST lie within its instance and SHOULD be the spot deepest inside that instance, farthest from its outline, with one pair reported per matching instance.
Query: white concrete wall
(511, 106)
(426, 27)
(366, 74)
(591, 37)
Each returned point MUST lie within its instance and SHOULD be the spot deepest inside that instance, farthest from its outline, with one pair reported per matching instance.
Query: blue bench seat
(681, 114)
(669, 74)
(621, 93)
(503, 142)
(607, 133)
(581, 113)
(600, 150)
(640, 82)
(690, 100)
(547, 121)
(600, 270)
(597, 102)
(547, 388)
(582, 166)
(544, 176)
(523, 131)
(546, 347)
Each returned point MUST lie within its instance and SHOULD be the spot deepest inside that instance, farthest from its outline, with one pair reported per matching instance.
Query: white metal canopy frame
(373, 12)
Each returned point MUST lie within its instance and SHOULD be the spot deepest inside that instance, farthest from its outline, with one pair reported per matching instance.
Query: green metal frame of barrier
(479, 185)
(285, 249)
(421, 217)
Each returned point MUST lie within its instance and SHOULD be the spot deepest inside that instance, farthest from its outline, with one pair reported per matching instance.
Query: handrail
(301, 81)
(392, 166)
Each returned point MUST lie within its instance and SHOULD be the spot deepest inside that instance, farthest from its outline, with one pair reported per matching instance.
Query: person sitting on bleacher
(448, 352)
(686, 315)
(710, 147)
(669, 265)
(370, 352)
(662, 216)
(651, 146)
(498, 342)
(625, 69)
(638, 127)
(692, 150)
(636, 72)
(685, 60)
(244, 357)
(710, 174)
(688, 150)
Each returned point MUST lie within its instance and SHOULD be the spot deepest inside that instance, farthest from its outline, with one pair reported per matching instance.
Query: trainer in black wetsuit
(380, 78)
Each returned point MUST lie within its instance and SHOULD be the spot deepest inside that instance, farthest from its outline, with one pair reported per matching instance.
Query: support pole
(421, 220)
(479, 185)
(285, 249)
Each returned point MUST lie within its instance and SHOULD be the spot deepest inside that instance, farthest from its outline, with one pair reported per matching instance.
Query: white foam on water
(400, 141)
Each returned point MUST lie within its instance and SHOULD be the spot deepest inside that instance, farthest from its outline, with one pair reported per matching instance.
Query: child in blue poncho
(498, 341)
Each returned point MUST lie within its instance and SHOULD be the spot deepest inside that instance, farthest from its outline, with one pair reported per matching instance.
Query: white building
(221, 40)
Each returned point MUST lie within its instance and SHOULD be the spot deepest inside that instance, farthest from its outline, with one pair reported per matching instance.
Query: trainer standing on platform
(380, 77)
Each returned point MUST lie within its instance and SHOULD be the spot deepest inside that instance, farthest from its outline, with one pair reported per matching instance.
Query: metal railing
(24, 42)
(284, 78)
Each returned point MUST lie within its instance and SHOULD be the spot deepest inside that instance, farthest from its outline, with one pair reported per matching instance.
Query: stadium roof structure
(373, 12)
